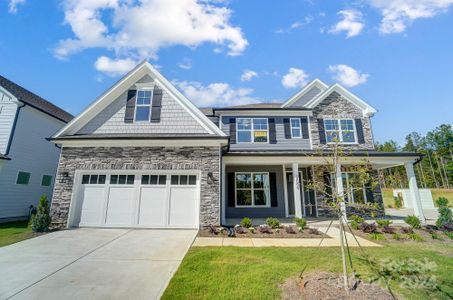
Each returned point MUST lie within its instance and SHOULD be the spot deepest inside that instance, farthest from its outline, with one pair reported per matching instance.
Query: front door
(307, 196)
(289, 184)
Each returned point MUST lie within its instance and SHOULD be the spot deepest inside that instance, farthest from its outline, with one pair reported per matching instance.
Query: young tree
(41, 221)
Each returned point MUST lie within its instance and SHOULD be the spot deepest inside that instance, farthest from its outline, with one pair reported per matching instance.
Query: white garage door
(138, 200)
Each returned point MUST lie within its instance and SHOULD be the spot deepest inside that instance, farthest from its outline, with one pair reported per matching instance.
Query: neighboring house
(28, 161)
(142, 155)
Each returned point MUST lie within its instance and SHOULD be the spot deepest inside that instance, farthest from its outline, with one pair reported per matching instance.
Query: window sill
(252, 206)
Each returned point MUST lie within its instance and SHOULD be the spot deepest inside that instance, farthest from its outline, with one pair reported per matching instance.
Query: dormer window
(143, 106)
(342, 131)
(252, 130)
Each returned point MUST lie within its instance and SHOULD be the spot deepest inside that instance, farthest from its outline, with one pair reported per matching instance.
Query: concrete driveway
(93, 264)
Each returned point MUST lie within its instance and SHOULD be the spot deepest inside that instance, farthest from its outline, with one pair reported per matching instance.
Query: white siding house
(28, 161)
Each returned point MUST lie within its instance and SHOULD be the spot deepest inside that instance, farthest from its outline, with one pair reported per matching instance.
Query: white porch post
(340, 191)
(413, 189)
(296, 191)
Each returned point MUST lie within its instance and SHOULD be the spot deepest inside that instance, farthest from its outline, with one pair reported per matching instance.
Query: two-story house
(142, 155)
(28, 161)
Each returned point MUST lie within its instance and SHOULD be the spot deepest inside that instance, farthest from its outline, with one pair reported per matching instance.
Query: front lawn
(255, 273)
(13, 232)
(387, 194)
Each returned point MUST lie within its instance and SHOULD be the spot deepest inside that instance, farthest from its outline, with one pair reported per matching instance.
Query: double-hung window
(252, 189)
(252, 130)
(355, 191)
(296, 129)
(143, 105)
(342, 130)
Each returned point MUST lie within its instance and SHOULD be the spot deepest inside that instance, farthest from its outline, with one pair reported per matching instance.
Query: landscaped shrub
(314, 231)
(41, 221)
(397, 201)
(252, 229)
(212, 230)
(445, 214)
(265, 229)
(376, 236)
(448, 227)
(413, 221)
(407, 230)
(449, 234)
(273, 223)
(435, 236)
(246, 222)
(416, 237)
(240, 230)
(388, 229)
(300, 223)
(383, 222)
(397, 236)
(368, 228)
(290, 230)
(355, 221)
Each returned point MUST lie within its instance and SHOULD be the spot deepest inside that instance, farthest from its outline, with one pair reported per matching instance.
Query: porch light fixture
(210, 178)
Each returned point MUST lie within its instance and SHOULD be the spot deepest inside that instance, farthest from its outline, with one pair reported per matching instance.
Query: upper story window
(252, 130)
(296, 128)
(341, 130)
(143, 106)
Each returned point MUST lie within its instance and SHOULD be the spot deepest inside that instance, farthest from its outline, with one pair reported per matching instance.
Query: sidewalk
(333, 241)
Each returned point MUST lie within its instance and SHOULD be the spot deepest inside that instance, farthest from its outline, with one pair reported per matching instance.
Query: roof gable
(367, 109)
(311, 90)
(134, 76)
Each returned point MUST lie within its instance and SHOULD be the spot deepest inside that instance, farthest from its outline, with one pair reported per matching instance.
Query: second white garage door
(138, 200)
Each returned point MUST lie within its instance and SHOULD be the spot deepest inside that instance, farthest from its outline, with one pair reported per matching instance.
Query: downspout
(16, 117)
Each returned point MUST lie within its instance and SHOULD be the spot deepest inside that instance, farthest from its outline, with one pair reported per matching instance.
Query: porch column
(413, 189)
(340, 191)
(296, 191)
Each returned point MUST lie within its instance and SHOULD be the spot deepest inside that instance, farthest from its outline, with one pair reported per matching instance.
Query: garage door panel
(153, 206)
(183, 207)
(120, 206)
(92, 205)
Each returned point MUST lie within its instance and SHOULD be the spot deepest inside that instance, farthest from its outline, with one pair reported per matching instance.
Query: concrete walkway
(333, 241)
(93, 264)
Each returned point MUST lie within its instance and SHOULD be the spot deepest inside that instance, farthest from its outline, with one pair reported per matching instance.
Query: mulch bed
(324, 285)
(281, 233)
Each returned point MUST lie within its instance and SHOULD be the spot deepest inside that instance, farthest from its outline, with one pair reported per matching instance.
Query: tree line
(435, 170)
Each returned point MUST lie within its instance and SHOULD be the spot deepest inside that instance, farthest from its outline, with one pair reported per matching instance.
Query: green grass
(13, 232)
(255, 273)
(387, 194)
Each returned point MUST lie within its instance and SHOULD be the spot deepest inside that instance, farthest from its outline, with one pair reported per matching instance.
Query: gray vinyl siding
(29, 152)
(312, 93)
(174, 118)
(282, 142)
(7, 113)
(258, 212)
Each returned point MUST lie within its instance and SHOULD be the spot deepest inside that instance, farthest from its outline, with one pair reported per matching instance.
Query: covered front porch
(268, 184)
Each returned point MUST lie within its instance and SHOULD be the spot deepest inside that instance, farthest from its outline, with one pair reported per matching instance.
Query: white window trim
(348, 191)
(291, 127)
(340, 132)
(17, 177)
(51, 180)
(143, 105)
(268, 203)
(252, 129)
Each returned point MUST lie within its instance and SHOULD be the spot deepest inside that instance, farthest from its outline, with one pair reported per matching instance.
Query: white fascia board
(144, 68)
(314, 83)
(367, 109)
(142, 143)
(265, 113)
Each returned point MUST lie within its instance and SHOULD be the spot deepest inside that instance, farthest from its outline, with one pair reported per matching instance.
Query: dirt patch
(274, 233)
(324, 285)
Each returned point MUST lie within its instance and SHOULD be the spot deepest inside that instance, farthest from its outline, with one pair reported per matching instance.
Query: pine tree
(41, 221)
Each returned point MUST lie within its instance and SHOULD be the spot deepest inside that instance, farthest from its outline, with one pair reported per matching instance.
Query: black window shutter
(273, 189)
(156, 104)
(369, 194)
(130, 106)
(359, 130)
(304, 127)
(272, 131)
(231, 191)
(322, 132)
(287, 127)
(232, 130)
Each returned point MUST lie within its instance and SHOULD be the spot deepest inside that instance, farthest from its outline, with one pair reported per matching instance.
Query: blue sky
(396, 55)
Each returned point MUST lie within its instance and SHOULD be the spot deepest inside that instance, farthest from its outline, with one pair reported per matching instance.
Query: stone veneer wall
(335, 106)
(324, 210)
(205, 159)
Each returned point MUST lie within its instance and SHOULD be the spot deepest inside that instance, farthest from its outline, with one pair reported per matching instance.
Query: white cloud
(295, 78)
(398, 14)
(13, 4)
(307, 20)
(114, 67)
(139, 29)
(215, 94)
(186, 64)
(351, 23)
(347, 75)
(248, 75)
